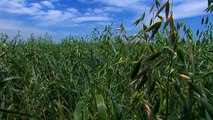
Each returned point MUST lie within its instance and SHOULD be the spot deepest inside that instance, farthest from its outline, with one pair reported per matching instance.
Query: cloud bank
(41, 15)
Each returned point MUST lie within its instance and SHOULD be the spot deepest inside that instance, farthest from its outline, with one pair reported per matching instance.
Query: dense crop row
(158, 73)
(58, 81)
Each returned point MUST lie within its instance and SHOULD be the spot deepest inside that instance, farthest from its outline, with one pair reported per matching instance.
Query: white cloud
(56, 17)
(46, 14)
(18, 7)
(91, 18)
(119, 3)
(122, 5)
(72, 10)
(47, 4)
(104, 11)
(12, 27)
(189, 8)
(36, 6)
(181, 8)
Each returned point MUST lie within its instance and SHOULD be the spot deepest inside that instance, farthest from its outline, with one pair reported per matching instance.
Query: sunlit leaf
(155, 25)
(78, 110)
(102, 109)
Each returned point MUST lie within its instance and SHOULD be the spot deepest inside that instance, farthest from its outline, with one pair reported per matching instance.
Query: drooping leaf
(209, 8)
(145, 27)
(8, 79)
(117, 37)
(159, 63)
(208, 74)
(202, 21)
(151, 8)
(133, 36)
(135, 70)
(172, 23)
(155, 30)
(148, 110)
(207, 20)
(181, 55)
(126, 37)
(161, 8)
(195, 88)
(167, 9)
(161, 17)
(156, 107)
(209, 2)
(78, 110)
(208, 117)
(167, 23)
(207, 105)
(151, 88)
(179, 25)
(137, 22)
(153, 56)
(2, 54)
(142, 82)
(157, 2)
(151, 21)
(155, 25)
(121, 28)
(169, 51)
(198, 31)
(14, 112)
(102, 109)
(143, 16)
(178, 90)
(143, 72)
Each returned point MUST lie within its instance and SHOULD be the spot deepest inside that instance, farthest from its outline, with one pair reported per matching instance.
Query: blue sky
(78, 17)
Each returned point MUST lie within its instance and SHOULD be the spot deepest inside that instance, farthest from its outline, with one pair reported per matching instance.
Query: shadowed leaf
(167, 23)
(156, 107)
(167, 9)
(202, 21)
(208, 74)
(178, 90)
(78, 110)
(142, 82)
(207, 105)
(195, 88)
(151, 88)
(181, 55)
(153, 56)
(135, 70)
(14, 112)
(159, 63)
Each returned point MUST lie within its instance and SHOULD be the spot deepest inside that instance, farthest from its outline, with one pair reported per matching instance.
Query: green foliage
(153, 74)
